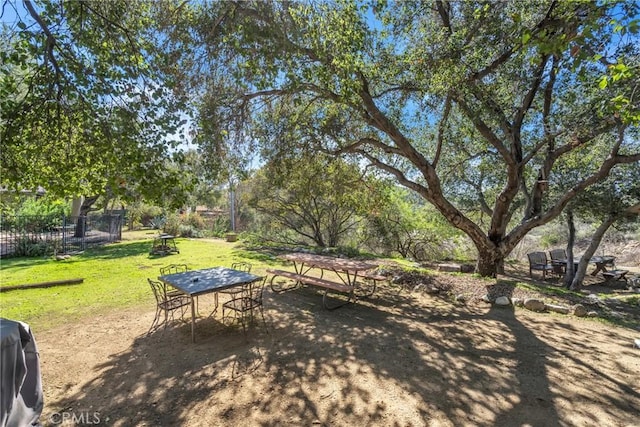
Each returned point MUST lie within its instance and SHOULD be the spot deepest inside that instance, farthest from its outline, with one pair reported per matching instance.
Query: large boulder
(503, 301)
(580, 310)
(534, 304)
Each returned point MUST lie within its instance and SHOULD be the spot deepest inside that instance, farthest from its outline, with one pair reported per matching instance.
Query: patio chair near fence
(538, 262)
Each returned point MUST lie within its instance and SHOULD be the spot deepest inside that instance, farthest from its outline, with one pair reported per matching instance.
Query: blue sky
(10, 12)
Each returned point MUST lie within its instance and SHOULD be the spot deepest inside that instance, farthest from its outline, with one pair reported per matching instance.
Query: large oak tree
(484, 100)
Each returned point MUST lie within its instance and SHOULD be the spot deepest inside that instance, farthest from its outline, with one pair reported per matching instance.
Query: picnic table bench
(328, 285)
(615, 275)
(373, 276)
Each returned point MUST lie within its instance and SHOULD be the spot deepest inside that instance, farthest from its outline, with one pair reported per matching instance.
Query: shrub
(144, 214)
(218, 226)
(171, 224)
(196, 221)
(158, 222)
(186, 230)
(29, 246)
(551, 239)
(44, 207)
(348, 251)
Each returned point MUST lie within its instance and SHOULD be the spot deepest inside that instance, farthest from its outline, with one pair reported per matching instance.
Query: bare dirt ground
(400, 358)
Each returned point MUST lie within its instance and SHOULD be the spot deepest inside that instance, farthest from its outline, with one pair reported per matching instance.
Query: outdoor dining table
(346, 269)
(209, 280)
(164, 244)
(601, 263)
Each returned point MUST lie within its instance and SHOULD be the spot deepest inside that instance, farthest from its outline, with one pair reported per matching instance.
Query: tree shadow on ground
(392, 359)
(114, 251)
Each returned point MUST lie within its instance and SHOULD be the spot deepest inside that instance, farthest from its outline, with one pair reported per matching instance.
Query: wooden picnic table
(347, 270)
(602, 262)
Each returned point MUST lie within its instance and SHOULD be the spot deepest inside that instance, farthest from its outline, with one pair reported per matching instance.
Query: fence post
(64, 234)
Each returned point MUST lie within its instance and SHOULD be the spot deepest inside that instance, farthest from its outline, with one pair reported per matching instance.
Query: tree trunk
(232, 208)
(490, 263)
(576, 284)
(85, 208)
(76, 204)
(570, 273)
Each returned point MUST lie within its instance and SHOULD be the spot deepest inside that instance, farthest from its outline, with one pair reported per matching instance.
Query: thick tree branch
(501, 59)
(441, 130)
(352, 148)
(527, 101)
(485, 130)
(380, 121)
(453, 215)
(51, 40)
(443, 11)
(614, 159)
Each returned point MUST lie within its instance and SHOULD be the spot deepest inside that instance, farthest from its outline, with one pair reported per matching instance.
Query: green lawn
(114, 277)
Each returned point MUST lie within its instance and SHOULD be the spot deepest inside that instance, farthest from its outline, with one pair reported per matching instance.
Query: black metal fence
(48, 235)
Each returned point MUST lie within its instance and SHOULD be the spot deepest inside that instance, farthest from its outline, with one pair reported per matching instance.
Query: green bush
(184, 225)
(29, 246)
(171, 224)
(219, 226)
(196, 221)
(44, 206)
(32, 224)
(551, 239)
(35, 215)
(348, 251)
(144, 214)
(158, 222)
(187, 230)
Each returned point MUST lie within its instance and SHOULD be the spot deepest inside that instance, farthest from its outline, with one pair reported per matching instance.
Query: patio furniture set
(557, 264)
(177, 288)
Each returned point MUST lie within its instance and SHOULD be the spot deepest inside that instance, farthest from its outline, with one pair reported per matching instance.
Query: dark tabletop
(197, 282)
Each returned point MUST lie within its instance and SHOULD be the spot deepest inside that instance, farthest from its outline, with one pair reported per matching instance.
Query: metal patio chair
(245, 303)
(172, 269)
(166, 304)
(233, 292)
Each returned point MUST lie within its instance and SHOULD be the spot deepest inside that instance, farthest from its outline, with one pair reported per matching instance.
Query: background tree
(205, 191)
(319, 199)
(480, 98)
(85, 98)
(608, 203)
(402, 223)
